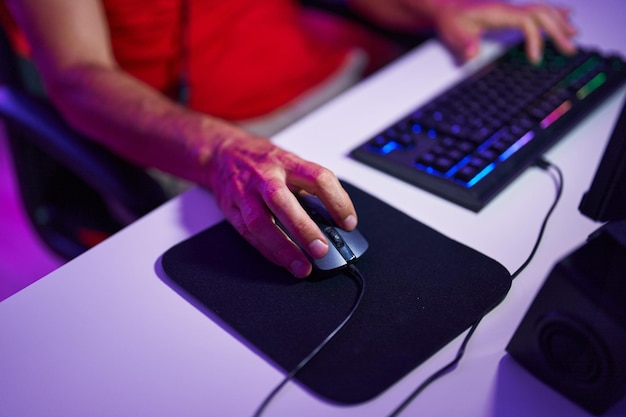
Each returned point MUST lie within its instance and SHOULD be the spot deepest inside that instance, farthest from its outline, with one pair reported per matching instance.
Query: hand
(253, 180)
(460, 24)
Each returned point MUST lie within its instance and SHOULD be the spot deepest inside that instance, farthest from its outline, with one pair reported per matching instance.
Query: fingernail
(349, 222)
(299, 269)
(536, 57)
(318, 248)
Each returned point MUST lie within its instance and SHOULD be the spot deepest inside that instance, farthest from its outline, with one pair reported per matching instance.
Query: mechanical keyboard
(471, 141)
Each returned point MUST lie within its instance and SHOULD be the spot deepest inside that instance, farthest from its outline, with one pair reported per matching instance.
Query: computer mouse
(344, 247)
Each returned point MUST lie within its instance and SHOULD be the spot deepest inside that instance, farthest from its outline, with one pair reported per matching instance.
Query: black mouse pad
(422, 289)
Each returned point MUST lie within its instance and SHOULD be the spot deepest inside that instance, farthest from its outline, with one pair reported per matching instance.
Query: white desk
(105, 336)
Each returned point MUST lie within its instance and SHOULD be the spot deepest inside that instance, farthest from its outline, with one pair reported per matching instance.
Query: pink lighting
(556, 114)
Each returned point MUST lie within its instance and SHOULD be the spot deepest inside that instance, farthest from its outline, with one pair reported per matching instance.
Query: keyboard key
(506, 113)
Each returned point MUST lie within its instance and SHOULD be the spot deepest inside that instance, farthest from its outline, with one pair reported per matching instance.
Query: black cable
(558, 181)
(441, 372)
(353, 273)
(545, 165)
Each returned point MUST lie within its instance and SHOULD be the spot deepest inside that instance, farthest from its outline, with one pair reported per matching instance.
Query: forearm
(137, 122)
(252, 180)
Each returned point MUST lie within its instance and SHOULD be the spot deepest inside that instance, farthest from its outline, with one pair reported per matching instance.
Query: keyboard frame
(399, 163)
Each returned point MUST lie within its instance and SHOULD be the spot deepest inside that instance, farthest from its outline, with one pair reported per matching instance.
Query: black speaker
(573, 336)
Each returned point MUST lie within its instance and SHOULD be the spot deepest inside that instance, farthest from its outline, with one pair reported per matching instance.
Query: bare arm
(250, 177)
(70, 44)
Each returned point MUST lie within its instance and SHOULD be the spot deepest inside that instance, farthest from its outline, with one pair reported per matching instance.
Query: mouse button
(317, 217)
(355, 240)
(315, 209)
(331, 261)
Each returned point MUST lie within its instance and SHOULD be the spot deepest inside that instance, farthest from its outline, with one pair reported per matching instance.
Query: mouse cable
(558, 180)
(354, 273)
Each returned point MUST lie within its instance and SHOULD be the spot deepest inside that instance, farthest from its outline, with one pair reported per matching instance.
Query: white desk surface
(104, 335)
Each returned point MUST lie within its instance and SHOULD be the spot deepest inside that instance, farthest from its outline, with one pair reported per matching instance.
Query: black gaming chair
(75, 192)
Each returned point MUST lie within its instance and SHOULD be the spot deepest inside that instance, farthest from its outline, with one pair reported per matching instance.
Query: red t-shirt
(245, 58)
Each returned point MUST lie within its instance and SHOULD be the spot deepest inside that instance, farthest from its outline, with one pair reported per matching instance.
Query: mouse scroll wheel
(334, 237)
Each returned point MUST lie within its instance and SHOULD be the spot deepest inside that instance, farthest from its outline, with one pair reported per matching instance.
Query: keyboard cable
(557, 176)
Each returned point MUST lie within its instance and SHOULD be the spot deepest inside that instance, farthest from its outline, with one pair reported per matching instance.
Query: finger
(234, 217)
(258, 228)
(534, 39)
(462, 43)
(323, 183)
(299, 225)
(556, 26)
(523, 19)
(520, 17)
(562, 16)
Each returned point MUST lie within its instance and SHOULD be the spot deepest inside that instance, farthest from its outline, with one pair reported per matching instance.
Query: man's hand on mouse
(254, 180)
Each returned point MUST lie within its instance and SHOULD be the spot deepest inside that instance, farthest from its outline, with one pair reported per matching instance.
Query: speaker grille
(572, 351)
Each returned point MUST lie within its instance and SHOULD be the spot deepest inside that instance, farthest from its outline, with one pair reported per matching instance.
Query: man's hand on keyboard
(461, 23)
